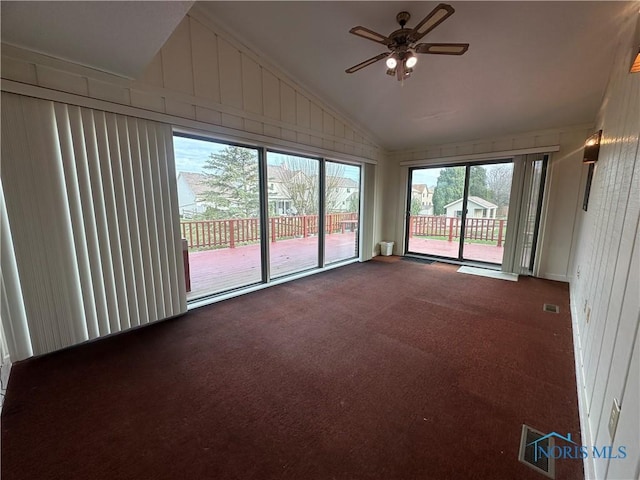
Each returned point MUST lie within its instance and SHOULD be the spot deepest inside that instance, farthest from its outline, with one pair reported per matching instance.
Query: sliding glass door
(535, 173)
(294, 205)
(459, 212)
(485, 224)
(342, 207)
(435, 211)
(249, 215)
(219, 201)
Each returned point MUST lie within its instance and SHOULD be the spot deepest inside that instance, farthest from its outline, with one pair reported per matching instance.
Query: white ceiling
(116, 37)
(530, 66)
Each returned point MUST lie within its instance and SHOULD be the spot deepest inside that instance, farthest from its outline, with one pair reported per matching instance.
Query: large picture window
(310, 217)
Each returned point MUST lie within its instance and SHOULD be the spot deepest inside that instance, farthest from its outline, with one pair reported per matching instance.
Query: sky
(190, 155)
(428, 177)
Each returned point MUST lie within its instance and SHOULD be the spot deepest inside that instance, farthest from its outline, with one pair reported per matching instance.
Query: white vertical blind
(94, 216)
(12, 312)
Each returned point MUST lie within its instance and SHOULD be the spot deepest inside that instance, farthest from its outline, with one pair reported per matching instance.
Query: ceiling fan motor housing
(402, 18)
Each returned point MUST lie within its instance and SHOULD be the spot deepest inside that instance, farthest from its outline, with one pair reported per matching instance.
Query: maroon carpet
(382, 370)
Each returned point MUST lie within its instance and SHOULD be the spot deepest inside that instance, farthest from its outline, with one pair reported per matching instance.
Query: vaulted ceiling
(115, 37)
(530, 66)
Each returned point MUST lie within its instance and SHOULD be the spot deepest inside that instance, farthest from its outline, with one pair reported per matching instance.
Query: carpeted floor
(381, 370)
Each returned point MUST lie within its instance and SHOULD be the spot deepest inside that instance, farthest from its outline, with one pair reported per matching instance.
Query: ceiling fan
(403, 43)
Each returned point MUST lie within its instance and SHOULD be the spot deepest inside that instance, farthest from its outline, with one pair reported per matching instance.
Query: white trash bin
(386, 248)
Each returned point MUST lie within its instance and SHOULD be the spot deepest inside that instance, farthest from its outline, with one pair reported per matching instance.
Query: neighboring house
(476, 208)
(279, 200)
(191, 188)
(341, 190)
(425, 195)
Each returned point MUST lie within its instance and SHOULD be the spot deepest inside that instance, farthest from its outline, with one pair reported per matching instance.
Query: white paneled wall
(525, 140)
(605, 290)
(203, 74)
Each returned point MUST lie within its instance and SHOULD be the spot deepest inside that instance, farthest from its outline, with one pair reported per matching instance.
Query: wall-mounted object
(592, 148)
(635, 49)
(635, 62)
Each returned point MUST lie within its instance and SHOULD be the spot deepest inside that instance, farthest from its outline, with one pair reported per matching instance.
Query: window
(230, 234)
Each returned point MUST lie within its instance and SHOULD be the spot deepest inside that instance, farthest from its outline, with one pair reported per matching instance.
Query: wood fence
(232, 232)
(488, 229)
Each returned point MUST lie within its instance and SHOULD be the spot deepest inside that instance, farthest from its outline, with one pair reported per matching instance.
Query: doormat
(419, 260)
(485, 272)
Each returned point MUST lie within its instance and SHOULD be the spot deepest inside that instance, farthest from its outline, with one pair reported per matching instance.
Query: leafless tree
(499, 184)
(300, 183)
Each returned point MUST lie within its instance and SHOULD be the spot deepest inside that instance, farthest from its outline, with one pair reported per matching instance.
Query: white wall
(205, 79)
(605, 289)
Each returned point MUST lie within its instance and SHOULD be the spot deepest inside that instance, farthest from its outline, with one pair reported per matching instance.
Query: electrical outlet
(578, 273)
(588, 314)
(613, 418)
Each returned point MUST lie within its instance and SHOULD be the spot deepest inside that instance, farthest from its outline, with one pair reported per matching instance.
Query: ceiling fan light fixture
(392, 72)
(391, 62)
(411, 60)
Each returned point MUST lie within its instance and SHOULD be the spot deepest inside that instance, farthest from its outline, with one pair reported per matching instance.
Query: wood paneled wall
(205, 75)
(605, 290)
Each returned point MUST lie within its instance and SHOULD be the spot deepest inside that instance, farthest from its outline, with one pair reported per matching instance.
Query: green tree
(478, 182)
(450, 186)
(232, 186)
(416, 206)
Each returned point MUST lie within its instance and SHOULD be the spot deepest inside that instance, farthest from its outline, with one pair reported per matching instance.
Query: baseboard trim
(585, 428)
(555, 277)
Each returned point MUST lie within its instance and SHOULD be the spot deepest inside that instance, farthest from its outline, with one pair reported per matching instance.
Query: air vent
(547, 307)
(532, 441)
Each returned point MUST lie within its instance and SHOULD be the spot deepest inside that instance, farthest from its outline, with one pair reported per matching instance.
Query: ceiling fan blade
(366, 63)
(431, 21)
(442, 48)
(370, 35)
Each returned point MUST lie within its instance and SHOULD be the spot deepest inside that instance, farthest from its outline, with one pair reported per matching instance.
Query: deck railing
(486, 229)
(229, 233)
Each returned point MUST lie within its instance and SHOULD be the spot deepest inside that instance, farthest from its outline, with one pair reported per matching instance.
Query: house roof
(477, 200)
(420, 187)
(278, 173)
(342, 182)
(195, 181)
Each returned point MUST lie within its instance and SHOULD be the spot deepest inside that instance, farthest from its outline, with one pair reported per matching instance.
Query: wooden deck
(443, 248)
(214, 271)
